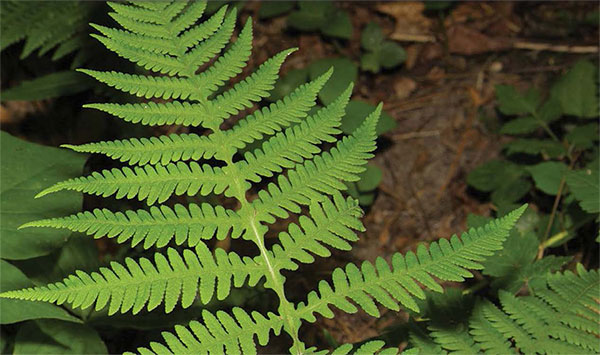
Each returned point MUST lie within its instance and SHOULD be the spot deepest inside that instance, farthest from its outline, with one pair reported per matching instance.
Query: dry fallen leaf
(411, 24)
(467, 41)
(404, 87)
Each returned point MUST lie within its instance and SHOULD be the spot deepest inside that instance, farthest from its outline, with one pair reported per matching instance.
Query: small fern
(562, 317)
(297, 175)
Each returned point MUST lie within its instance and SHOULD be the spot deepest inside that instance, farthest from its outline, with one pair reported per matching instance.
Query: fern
(291, 163)
(562, 317)
(44, 25)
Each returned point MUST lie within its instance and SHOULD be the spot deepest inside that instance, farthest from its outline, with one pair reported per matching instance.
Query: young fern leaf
(446, 260)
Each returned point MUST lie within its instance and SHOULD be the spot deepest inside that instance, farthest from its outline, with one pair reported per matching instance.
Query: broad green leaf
(511, 191)
(550, 111)
(356, 111)
(270, 9)
(345, 72)
(493, 174)
(547, 176)
(371, 37)
(583, 137)
(515, 264)
(338, 25)
(311, 16)
(26, 169)
(370, 62)
(548, 147)
(511, 102)
(584, 186)
(370, 178)
(79, 253)
(288, 83)
(520, 125)
(52, 85)
(577, 90)
(57, 337)
(13, 311)
(476, 221)
(391, 55)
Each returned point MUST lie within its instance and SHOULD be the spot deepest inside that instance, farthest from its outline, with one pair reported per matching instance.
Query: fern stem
(274, 277)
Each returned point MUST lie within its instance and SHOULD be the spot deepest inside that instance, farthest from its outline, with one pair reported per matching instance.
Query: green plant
(345, 73)
(561, 317)
(163, 37)
(559, 138)
(322, 16)
(379, 52)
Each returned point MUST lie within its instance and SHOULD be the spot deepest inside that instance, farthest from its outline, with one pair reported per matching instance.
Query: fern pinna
(165, 38)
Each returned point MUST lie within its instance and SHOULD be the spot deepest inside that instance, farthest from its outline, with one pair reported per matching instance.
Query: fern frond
(252, 89)
(147, 43)
(219, 333)
(154, 150)
(297, 143)
(207, 49)
(330, 223)
(44, 25)
(370, 347)
(142, 14)
(156, 114)
(144, 86)
(446, 260)
(229, 64)
(281, 114)
(200, 32)
(137, 284)
(156, 227)
(150, 183)
(562, 318)
(322, 175)
(158, 63)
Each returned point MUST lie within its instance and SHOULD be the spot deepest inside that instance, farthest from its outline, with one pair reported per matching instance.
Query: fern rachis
(163, 37)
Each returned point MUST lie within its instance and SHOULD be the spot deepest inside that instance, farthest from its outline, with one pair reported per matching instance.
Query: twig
(410, 37)
(556, 47)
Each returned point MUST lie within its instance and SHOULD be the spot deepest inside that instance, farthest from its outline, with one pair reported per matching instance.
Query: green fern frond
(324, 174)
(144, 86)
(173, 148)
(446, 260)
(138, 284)
(156, 227)
(200, 32)
(44, 25)
(156, 114)
(297, 143)
(370, 347)
(562, 318)
(219, 333)
(150, 183)
(330, 223)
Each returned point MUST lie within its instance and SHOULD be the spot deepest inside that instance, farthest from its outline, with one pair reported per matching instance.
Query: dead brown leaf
(467, 41)
(411, 24)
